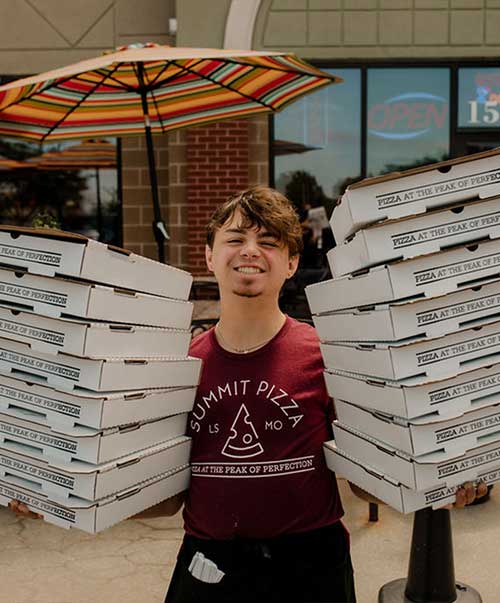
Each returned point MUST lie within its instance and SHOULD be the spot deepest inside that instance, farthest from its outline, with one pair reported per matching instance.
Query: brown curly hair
(261, 207)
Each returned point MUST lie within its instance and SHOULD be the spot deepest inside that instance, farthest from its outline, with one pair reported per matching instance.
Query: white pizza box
(390, 491)
(113, 374)
(425, 276)
(420, 318)
(436, 358)
(414, 397)
(423, 434)
(92, 339)
(84, 443)
(94, 517)
(89, 409)
(419, 472)
(414, 191)
(62, 297)
(54, 252)
(59, 479)
(417, 235)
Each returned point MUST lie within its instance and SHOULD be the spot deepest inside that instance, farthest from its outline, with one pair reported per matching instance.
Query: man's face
(249, 262)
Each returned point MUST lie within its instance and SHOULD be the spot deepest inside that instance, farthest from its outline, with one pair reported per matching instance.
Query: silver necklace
(238, 350)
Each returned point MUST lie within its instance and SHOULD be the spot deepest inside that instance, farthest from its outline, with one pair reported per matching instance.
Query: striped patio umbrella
(89, 154)
(11, 164)
(150, 88)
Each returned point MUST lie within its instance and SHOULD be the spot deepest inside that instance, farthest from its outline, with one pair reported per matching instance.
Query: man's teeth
(248, 270)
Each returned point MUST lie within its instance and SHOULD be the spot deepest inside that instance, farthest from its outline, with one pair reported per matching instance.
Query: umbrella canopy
(289, 147)
(86, 155)
(11, 164)
(151, 88)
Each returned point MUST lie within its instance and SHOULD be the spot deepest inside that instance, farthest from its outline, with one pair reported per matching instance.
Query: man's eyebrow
(261, 235)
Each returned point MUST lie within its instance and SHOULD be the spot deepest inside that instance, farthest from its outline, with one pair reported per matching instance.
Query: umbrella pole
(99, 206)
(159, 227)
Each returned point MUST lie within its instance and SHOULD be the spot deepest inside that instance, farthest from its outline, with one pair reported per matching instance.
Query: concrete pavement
(133, 561)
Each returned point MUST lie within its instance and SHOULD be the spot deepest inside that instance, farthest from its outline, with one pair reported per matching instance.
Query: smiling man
(262, 515)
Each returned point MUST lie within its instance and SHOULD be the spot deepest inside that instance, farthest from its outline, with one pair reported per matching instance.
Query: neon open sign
(408, 115)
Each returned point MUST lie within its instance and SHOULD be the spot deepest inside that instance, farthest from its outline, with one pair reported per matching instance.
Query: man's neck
(246, 323)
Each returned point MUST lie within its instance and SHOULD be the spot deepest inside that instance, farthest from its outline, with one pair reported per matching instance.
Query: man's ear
(293, 264)
(208, 258)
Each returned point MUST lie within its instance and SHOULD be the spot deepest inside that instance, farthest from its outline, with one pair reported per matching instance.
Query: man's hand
(21, 510)
(467, 494)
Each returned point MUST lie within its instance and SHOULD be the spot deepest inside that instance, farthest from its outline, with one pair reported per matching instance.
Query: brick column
(218, 157)
(137, 199)
(258, 151)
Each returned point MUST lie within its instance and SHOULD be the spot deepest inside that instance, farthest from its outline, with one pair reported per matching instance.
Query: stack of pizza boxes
(410, 331)
(95, 378)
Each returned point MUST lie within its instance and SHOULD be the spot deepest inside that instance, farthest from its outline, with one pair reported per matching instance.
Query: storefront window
(82, 200)
(317, 143)
(407, 117)
(478, 97)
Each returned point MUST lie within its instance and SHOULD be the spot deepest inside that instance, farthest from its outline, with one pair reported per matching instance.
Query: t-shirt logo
(243, 441)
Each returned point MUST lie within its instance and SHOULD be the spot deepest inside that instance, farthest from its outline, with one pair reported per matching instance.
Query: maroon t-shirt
(258, 425)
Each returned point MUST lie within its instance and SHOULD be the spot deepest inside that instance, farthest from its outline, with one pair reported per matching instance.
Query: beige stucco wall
(37, 35)
(379, 29)
(358, 29)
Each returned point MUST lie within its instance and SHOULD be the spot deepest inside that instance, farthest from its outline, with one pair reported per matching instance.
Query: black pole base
(394, 592)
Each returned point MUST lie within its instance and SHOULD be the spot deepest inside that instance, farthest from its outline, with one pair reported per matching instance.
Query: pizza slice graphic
(243, 442)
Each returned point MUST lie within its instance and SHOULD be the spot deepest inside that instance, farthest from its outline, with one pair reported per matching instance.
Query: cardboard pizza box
(417, 235)
(89, 409)
(64, 297)
(96, 516)
(414, 397)
(436, 358)
(423, 434)
(425, 276)
(92, 339)
(423, 318)
(390, 491)
(54, 252)
(59, 479)
(419, 472)
(113, 374)
(414, 191)
(83, 443)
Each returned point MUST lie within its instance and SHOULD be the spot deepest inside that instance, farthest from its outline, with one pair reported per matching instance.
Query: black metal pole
(159, 227)
(431, 572)
(99, 205)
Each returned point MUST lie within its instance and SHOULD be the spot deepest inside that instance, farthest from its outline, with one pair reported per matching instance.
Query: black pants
(311, 567)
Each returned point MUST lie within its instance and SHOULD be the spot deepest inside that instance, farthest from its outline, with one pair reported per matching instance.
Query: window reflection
(63, 196)
(407, 118)
(479, 97)
(317, 143)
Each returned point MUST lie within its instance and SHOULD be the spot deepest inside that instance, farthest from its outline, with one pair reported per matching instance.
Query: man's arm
(167, 507)
(466, 494)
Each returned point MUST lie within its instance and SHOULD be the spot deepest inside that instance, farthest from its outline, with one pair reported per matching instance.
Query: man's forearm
(166, 508)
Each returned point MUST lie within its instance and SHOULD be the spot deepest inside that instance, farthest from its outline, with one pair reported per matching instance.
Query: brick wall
(218, 166)
(137, 200)
(258, 150)
(207, 165)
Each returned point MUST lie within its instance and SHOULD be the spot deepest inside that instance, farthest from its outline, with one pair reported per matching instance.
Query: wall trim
(240, 24)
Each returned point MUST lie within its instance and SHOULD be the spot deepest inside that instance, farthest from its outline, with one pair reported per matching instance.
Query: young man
(262, 514)
(262, 505)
